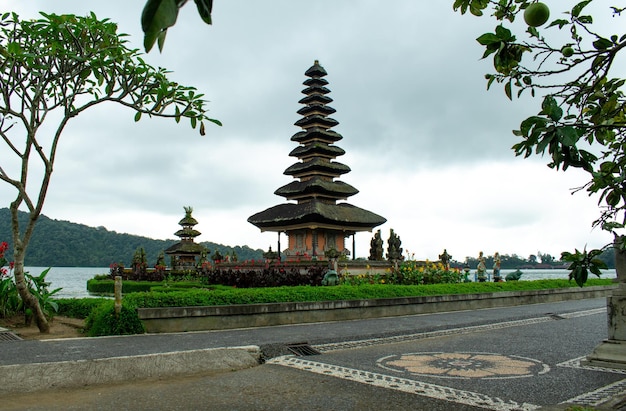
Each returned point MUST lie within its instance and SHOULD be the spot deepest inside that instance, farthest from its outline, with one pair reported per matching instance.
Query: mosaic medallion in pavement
(463, 365)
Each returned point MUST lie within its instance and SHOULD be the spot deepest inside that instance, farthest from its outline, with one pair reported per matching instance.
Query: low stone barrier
(180, 319)
(22, 378)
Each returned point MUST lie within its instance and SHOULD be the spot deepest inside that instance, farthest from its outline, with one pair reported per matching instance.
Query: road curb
(65, 374)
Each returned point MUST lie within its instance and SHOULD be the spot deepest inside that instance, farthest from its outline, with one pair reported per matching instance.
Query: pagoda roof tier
(317, 166)
(316, 70)
(317, 149)
(316, 133)
(316, 187)
(315, 82)
(187, 232)
(315, 90)
(320, 109)
(315, 99)
(316, 121)
(185, 247)
(188, 220)
(316, 214)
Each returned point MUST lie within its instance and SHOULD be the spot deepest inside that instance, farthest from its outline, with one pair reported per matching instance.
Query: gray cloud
(420, 131)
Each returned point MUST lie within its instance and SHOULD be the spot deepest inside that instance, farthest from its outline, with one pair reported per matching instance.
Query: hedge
(309, 293)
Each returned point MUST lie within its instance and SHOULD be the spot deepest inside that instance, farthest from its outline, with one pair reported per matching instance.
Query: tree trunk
(30, 301)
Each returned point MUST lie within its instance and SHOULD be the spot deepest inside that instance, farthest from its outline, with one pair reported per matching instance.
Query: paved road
(518, 358)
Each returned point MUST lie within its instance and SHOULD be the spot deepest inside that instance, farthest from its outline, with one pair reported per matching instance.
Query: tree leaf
(84, 73)
(579, 7)
(602, 44)
(613, 198)
(156, 17)
(204, 9)
(488, 38)
(507, 90)
(568, 135)
(551, 108)
(541, 146)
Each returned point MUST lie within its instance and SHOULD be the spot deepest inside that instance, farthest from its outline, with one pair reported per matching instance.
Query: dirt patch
(60, 327)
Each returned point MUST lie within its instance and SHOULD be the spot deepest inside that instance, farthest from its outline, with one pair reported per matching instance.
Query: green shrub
(167, 286)
(108, 286)
(78, 307)
(103, 321)
(230, 296)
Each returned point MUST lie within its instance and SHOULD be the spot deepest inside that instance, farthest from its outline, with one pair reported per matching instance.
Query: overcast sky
(429, 147)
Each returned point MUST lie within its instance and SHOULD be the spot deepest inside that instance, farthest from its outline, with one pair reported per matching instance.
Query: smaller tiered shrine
(186, 254)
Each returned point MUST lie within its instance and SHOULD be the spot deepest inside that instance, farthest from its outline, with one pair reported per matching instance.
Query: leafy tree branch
(570, 64)
(53, 69)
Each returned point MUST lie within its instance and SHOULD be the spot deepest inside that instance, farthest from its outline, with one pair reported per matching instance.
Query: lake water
(73, 280)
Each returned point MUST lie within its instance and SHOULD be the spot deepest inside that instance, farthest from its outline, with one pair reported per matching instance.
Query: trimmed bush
(274, 275)
(342, 292)
(103, 321)
(108, 286)
(78, 307)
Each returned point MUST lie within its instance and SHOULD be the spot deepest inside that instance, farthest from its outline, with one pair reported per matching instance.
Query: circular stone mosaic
(463, 365)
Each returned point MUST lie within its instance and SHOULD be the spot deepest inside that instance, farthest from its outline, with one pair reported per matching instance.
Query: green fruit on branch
(567, 51)
(536, 14)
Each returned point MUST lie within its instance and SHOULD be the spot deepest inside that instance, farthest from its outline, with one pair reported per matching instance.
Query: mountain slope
(57, 243)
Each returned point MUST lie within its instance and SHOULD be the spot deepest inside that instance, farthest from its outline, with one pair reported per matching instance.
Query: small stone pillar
(118, 295)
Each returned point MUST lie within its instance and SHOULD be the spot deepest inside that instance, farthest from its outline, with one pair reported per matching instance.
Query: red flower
(3, 247)
(11, 265)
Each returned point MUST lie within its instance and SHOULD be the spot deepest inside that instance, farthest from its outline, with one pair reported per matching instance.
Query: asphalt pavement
(516, 358)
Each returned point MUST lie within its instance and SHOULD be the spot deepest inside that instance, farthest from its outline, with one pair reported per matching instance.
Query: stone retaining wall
(179, 319)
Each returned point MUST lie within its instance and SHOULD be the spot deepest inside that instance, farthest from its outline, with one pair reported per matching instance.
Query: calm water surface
(73, 280)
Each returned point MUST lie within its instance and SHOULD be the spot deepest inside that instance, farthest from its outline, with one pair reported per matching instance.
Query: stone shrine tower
(184, 253)
(316, 223)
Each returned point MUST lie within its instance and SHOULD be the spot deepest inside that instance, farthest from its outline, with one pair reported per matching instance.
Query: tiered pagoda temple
(186, 253)
(316, 223)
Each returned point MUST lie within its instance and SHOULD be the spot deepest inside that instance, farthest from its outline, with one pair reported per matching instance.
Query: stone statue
(394, 251)
(445, 259)
(330, 278)
(496, 267)
(376, 247)
(160, 263)
(482, 268)
(217, 257)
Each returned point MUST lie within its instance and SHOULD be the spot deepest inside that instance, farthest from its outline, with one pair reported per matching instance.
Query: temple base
(612, 351)
(608, 354)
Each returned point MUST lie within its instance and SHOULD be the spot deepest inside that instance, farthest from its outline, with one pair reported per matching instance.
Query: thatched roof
(185, 247)
(317, 166)
(314, 214)
(317, 185)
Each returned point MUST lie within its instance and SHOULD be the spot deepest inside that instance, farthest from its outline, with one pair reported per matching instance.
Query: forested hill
(58, 243)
